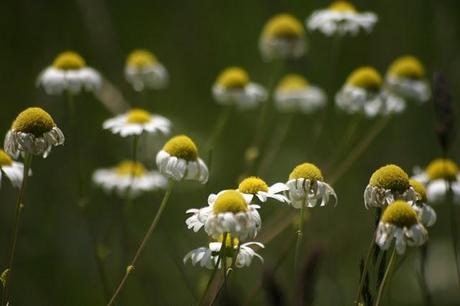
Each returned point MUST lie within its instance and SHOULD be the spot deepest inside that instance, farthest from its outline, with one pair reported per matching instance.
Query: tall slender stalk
(298, 245)
(385, 279)
(453, 227)
(427, 300)
(362, 278)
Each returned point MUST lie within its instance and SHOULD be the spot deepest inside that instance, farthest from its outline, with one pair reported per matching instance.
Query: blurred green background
(195, 40)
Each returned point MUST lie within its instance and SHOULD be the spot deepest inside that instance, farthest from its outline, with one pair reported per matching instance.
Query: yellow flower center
(33, 120)
(407, 67)
(442, 169)
(233, 78)
(283, 26)
(342, 6)
(141, 58)
(182, 147)
(252, 185)
(365, 77)
(130, 168)
(69, 61)
(390, 177)
(400, 213)
(419, 188)
(138, 115)
(293, 82)
(306, 171)
(230, 201)
(229, 241)
(5, 159)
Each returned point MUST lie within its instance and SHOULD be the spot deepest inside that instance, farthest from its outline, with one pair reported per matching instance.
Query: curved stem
(299, 240)
(385, 277)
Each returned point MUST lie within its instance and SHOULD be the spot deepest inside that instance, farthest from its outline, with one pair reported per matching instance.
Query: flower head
(144, 71)
(255, 186)
(425, 212)
(12, 170)
(33, 132)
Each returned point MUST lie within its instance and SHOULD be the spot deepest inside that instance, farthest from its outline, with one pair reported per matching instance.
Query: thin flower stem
(385, 277)
(423, 279)
(130, 268)
(218, 127)
(362, 278)
(211, 278)
(134, 154)
(299, 241)
(17, 219)
(453, 228)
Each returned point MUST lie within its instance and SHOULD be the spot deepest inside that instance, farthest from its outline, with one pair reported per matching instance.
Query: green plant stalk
(385, 277)
(298, 245)
(362, 278)
(453, 227)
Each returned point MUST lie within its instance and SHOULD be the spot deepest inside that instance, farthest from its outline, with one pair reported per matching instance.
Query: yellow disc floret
(141, 58)
(182, 147)
(407, 67)
(69, 61)
(138, 115)
(390, 177)
(230, 201)
(401, 214)
(33, 120)
(229, 241)
(342, 6)
(365, 77)
(442, 169)
(293, 82)
(5, 159)
(306, 171)
(252, 185)
(419, 188)
(130, 168)
(233, 78)
(283, 26)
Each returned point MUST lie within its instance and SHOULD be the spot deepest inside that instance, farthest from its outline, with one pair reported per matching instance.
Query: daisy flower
(438, 175)
(208, 257)
(233, 86)
(12, 170)
(283, 37)
(129, 175)
(33, 132)
(69, 73)
(341, 18)
(144, 71)
(406, 77)
(136, 122)
(229, 212)
(387, 185)
(425, 212)
(307, 187)
(255, 186)
(178, 160)
(295, 94)
(399, 221)
(363, 93)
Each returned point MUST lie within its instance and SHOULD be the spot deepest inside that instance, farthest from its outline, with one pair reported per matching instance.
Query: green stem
(453, 227)
(362, 278)
(133, 171)
(385, 277)
(130, 268)
(211, 278)
(423, 280)
(299, 241)
(218, 127)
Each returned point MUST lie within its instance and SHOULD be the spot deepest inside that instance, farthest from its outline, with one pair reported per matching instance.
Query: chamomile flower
(208, 257)
(233, 86)
(12, 170)
(387, 185)
(33, 132)
(307, 187)
(131, 176)
(229, 212)
(406, 77)
(363, 92)
(69, 73)
(178, 160)
(283, 37)
(399, 221)
(255, 186)
(438, 175)
(425, 212)
(295, 94)
(144, 71)
(136, 122)
(341, 18)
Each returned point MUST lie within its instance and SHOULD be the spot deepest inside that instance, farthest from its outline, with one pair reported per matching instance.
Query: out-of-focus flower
(387, 185)
(144, 71)
(178, 160)
(425, 212)
(33, 132)
(295, 94)
(131, 176)
(399, 221)
(307, 187)
(12, 170)
(341, 18)
(233, 86)
(69, 73)
(440, 175)
(136, 122)
(255, 186)
(406, 77)
(283, 37)
(363, 93)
